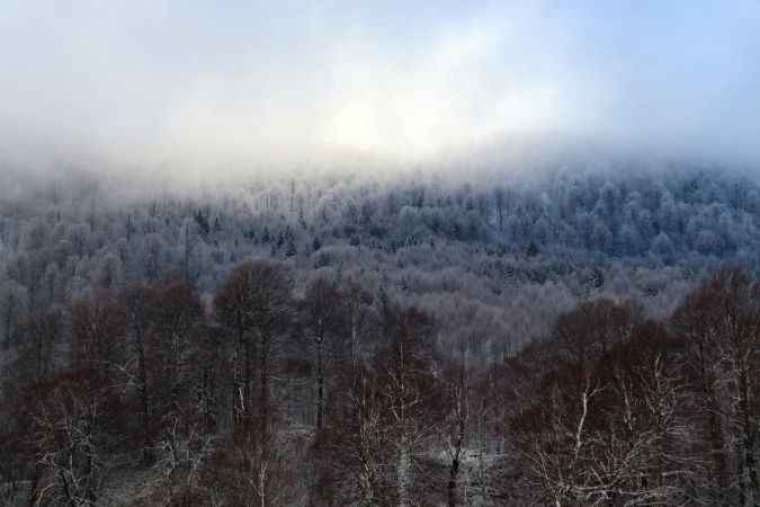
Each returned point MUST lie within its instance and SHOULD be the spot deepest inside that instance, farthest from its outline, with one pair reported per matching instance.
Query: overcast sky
(216, 87)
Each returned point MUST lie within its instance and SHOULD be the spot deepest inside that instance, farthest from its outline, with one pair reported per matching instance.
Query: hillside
(158, 351)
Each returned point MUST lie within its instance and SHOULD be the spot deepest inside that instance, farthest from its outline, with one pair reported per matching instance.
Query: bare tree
(456, 420)
(721, 324)
(408, 387)
(324, 311)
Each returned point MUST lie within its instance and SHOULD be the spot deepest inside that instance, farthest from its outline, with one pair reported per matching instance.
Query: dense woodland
(583, 337)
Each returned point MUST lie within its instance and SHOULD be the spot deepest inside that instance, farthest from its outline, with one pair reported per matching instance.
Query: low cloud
(198, 92)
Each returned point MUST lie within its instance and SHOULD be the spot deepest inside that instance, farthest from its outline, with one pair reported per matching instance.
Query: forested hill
(554, 340)
(564, 236)
(694, 212)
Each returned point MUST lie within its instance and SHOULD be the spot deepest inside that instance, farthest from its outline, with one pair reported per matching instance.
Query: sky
(204, 90)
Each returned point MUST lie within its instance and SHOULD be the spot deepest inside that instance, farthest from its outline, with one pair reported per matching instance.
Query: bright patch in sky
(230, 87)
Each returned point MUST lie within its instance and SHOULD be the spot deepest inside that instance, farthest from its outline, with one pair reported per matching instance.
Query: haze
(201, 91)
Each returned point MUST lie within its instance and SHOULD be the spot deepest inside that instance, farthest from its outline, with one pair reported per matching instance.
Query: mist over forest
(392, 254)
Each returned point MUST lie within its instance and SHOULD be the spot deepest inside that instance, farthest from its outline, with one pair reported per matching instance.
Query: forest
(581, 337)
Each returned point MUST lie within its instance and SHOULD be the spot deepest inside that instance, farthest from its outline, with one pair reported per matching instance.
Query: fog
(190, 92)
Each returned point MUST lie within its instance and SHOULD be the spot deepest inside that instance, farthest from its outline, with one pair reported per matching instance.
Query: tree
(135, 298)
(409, 387)
(175, 318)
(325, 314)
(12, 298)
(499, 196)
(69, 440)
(255, 304)
(456, 417)
(99, 329)
(189, 241)
(232, 306)
(721, 325)
(356, 453)
(619, 436)
(41, 334)
(78, 414)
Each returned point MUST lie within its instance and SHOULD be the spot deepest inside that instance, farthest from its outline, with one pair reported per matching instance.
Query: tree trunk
(9, 323)
(320, 383)
(247, 374)
(452, 487)
(403, 470)
(264, 384)
(143, 392)
(748, 440)
(186, 258)
(716, 441)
